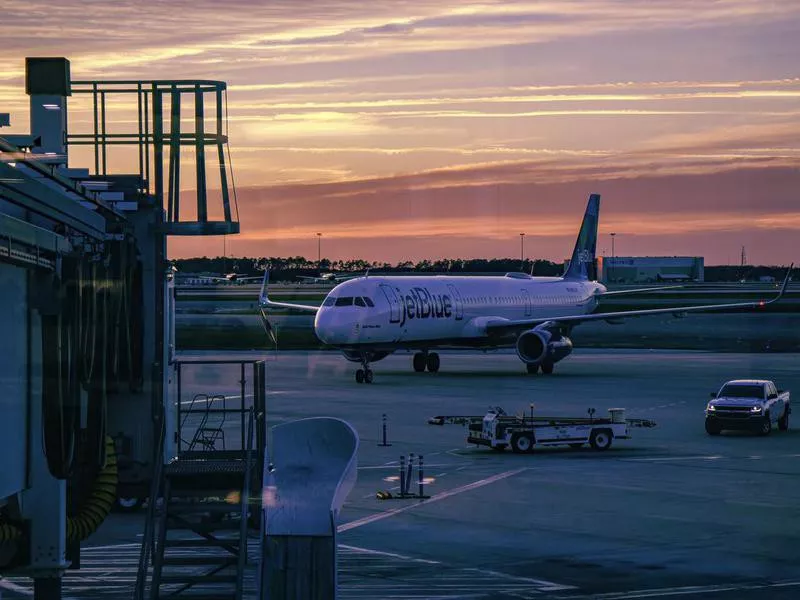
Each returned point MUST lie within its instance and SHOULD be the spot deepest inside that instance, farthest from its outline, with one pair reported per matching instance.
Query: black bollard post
(408, 475)
(383, 427)
(402, 475)
(421, 477)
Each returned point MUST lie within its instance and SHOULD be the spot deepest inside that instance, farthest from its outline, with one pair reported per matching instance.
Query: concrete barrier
(310, 469)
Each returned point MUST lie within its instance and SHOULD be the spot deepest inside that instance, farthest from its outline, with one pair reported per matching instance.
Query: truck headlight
(711, 407)
(755, 409)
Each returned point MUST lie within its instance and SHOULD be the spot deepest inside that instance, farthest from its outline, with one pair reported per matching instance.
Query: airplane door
(395, 311)
(458, 305)
(526, 300)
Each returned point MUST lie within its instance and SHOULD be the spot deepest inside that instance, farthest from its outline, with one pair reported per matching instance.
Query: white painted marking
(374, 467)
(389, 554)
(110, 546)
(670, 458)
(440, 496)
(544, 585)
(692, 589)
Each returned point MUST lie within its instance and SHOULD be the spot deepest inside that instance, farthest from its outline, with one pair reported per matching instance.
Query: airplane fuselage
(423, 312)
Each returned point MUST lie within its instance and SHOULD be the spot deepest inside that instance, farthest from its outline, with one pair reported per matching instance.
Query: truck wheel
(522, 442)
(131, 504)
(783, 422)
(601, 439)
(766, 425)
(712, 427)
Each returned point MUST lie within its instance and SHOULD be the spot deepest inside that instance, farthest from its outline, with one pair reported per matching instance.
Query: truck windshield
(742, 391)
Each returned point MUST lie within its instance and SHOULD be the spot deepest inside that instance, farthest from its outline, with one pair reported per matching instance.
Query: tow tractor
(498, 430)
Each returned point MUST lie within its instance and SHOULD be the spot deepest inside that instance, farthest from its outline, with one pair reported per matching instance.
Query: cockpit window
(369, 301)
(329, 301)
(344, 301)
(360, 302)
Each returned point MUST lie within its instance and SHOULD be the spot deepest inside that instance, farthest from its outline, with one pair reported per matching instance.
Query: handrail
(148, 536)
(245, 505)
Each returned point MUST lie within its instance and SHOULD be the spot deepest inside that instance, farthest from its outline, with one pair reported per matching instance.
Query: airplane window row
(516, 299)
(348, 301)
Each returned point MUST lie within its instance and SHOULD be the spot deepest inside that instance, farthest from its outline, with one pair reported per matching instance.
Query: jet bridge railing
(211, 410)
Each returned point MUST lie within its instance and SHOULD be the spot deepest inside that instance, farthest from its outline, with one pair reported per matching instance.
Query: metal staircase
(201, 506)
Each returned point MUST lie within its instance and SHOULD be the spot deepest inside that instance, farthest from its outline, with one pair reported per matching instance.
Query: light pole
(521, 251)
(613, 262)
(319, 254)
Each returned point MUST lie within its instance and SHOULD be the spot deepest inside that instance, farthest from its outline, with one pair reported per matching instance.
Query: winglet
(263, 299)
(783, 286)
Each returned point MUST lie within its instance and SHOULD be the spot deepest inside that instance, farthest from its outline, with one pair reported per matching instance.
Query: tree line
(289, 268)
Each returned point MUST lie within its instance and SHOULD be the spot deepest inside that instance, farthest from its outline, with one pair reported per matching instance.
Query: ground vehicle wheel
(547, 368)
(433, 362)
(522, 442)
(601, 439)
(532, 369)
(419, 362)
(712, 427)
(765, 427)
(360, 376)
(783, 422)
(368, 376)
(130, 504)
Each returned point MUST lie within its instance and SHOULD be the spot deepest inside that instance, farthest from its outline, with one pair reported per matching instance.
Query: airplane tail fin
(583, 256)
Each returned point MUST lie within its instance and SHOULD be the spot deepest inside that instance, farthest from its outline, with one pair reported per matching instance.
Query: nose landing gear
(364, 375)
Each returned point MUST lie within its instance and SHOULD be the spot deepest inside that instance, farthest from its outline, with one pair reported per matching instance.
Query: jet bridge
(87, 303)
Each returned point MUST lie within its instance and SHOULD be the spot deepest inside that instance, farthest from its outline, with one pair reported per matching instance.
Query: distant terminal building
(649, 269)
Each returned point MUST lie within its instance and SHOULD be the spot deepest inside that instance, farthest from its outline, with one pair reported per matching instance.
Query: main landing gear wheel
(364, 376)
(419, 362)
(433, 362)
(532, 369)
(547, 368)
(601, 439)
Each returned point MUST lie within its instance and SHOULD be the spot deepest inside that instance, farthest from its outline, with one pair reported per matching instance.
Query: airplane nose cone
(334, 328)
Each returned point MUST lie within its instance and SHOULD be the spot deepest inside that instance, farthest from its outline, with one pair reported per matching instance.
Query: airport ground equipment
(87, 298)
(754, 404)
(312, 467)
(523, 433)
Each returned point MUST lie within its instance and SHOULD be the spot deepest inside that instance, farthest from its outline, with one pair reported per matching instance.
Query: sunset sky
(410, 129)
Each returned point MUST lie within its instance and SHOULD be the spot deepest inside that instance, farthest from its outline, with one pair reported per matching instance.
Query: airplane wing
(265, 302)
(249, 278)
(641, 290)
(504, 326)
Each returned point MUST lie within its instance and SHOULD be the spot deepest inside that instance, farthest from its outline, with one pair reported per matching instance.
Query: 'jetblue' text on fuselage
(419, 303)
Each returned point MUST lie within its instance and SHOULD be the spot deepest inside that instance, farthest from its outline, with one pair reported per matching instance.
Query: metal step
(190, 578)
(200, 596)
(201, 543)
(226, 525)
(208, 560)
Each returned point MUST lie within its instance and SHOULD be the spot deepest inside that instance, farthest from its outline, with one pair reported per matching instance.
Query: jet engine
(372, 355)
(536, 346)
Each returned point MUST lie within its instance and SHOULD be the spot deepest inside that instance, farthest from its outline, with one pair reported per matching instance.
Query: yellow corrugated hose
(92, 513)
(102, 498)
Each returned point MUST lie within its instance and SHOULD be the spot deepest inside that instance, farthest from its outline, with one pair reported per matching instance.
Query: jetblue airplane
(370, 317)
